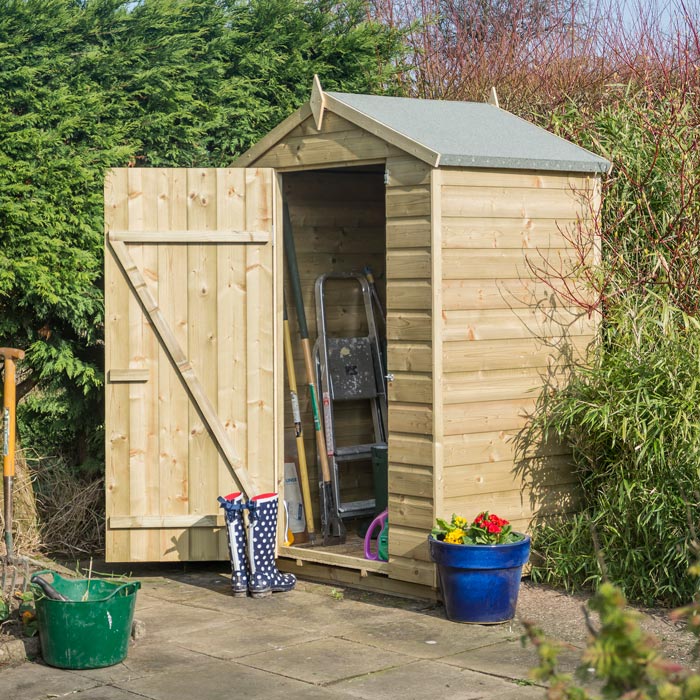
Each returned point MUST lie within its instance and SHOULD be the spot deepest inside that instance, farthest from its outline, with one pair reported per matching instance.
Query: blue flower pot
(479, 583)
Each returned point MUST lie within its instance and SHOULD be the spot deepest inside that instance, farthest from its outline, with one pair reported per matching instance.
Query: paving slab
(178, 591)
(215, 679)
(34, 681)
(326, 661)
(104, 692)
(317, 641)
(239, 638)
(144, 658)
(425, 679)
(166, 621)
(423, 636)
(510, 659)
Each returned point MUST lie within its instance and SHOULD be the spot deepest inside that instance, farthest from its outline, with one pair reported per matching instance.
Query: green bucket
(90, 629)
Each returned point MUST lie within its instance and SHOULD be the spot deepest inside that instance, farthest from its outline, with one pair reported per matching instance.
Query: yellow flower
(454, 536)
(459, 521)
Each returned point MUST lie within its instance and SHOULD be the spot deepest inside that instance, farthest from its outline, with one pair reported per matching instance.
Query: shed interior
(338, 222)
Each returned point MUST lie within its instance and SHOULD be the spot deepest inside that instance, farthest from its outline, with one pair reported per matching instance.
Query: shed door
(190, 355)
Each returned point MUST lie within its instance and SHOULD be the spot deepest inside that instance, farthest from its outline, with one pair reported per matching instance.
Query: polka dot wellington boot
(264, 577)
(235, 529)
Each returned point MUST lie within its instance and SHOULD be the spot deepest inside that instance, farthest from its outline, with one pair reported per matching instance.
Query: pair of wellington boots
(252, 553)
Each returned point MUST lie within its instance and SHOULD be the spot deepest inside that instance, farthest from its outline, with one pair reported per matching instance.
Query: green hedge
(88, 85)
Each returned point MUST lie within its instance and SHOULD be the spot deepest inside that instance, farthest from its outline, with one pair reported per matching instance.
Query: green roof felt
(475, 135)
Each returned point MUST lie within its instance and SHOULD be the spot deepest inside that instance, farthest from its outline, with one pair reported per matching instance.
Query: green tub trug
(85, 631)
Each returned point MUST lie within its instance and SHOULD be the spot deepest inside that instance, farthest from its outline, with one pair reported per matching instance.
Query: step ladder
(349, 369)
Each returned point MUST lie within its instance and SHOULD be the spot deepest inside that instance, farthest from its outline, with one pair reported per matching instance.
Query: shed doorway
(338, 220)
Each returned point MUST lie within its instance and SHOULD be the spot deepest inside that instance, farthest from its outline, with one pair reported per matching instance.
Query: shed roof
(473, 134)
(442, 133)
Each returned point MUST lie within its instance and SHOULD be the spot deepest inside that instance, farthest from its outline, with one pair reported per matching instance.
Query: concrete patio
(314, 642)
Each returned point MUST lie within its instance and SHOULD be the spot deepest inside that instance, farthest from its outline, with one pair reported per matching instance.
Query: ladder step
(356, 508)
(353, 452)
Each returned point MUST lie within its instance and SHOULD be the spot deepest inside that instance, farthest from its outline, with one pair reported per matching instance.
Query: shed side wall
(504, 330)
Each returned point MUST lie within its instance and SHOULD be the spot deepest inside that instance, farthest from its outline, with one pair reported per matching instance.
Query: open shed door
(190, 334)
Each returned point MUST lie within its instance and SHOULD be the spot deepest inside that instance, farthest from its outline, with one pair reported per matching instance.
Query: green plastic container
(380, 472)
(89, 630)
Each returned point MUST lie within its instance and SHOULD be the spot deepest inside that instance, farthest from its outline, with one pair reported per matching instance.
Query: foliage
(620, 654)
(540, 55)
(484, 529)
(632, 416)
(85, 86)
(649, 222)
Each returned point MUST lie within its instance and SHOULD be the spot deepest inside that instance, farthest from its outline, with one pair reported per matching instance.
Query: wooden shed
(452, 205)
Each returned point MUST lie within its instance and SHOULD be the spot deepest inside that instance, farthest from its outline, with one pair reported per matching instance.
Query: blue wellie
(263, 576)
(235, 529)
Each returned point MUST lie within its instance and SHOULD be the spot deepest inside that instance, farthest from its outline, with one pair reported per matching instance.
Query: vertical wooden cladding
(202, 326)
(410, 340)
(505, 326)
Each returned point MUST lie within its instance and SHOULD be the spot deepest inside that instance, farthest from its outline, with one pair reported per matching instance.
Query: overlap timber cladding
(414, 440)
(505, 331)
(189, 355)
(475, 326)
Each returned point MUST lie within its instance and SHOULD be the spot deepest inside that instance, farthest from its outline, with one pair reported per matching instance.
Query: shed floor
(354, 546)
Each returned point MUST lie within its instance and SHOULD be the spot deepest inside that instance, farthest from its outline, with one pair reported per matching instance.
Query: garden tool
(298, 428)
(263, 576)
(367, 272)
(235, 530)
(331, 524)
(47, 588)
(9, 355)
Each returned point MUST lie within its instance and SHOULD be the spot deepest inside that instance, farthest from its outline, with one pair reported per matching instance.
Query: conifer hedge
(86, 85)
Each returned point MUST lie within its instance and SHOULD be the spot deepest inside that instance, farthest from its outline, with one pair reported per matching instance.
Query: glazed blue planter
(479, 583)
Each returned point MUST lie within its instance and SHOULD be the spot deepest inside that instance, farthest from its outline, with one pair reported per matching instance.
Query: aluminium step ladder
(349, 369)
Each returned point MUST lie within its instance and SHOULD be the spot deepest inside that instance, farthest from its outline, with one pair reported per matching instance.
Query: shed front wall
(338, 143)
(504, 331)
(412, 225)
(409, 231)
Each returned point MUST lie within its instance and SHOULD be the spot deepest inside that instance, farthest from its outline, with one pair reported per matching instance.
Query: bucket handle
(135, 585)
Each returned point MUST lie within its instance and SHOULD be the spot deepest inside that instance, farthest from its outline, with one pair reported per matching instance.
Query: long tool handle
(8, 460)
(291, 255)
(49, 590)
(328, 511)
(375, 295)
(298, 428)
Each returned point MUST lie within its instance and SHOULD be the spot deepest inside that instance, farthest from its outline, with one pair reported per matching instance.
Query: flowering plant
(484, 529)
